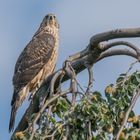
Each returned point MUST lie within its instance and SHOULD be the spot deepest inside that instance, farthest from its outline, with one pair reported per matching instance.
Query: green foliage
(93, 116)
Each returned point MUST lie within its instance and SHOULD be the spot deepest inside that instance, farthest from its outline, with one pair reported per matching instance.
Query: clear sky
(79, 20)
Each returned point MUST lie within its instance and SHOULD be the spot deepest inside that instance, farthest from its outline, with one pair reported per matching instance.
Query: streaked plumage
(35, 63)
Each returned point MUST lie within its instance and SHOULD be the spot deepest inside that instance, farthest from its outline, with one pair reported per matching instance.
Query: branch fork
(93, 53)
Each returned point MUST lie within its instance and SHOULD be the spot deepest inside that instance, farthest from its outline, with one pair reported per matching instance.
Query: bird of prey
(36, 62)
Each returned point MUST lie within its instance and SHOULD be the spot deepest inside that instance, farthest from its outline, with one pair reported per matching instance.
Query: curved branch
(117, 43)
(113, 34)
(117, 52)
(54, 79)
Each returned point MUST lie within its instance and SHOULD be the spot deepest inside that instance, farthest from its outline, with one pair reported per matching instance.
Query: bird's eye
(47, 17)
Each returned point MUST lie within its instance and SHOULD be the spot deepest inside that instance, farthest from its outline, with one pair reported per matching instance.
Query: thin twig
(89, 130)
(90, 73)
(44, 107)
(53, 134)
(134, 99)
(126, 75)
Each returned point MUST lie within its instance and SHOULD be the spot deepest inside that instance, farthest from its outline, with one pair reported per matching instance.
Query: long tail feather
(15, 106)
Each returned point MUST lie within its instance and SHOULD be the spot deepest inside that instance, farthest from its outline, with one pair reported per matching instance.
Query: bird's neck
(50, 30)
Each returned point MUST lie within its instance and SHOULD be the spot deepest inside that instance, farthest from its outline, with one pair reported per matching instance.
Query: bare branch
(90, 81)
(117, 43)
(117, 52)
(79, 54)
(54, 79)
(113, 34)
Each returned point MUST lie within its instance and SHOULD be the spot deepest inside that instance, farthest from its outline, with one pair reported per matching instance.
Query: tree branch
(113, 34)
(44, 107)
(90, 55)
(117, 52)
(133, 102)
(117, 43)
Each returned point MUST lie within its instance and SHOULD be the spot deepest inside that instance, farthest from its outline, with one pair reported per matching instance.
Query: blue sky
(79, 20)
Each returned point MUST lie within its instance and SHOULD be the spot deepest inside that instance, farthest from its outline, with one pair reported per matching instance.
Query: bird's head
(51, 21)
(50, 25)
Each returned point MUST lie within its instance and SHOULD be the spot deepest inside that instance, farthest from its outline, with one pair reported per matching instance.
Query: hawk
(36, 62)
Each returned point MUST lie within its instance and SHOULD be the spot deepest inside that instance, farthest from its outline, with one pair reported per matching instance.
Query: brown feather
(36, 62)
(15, 106)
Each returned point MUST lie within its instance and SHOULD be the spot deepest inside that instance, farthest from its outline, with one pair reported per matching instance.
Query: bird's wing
(31, 61)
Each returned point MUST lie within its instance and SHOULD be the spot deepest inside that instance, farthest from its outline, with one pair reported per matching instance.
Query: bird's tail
(15, 106)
